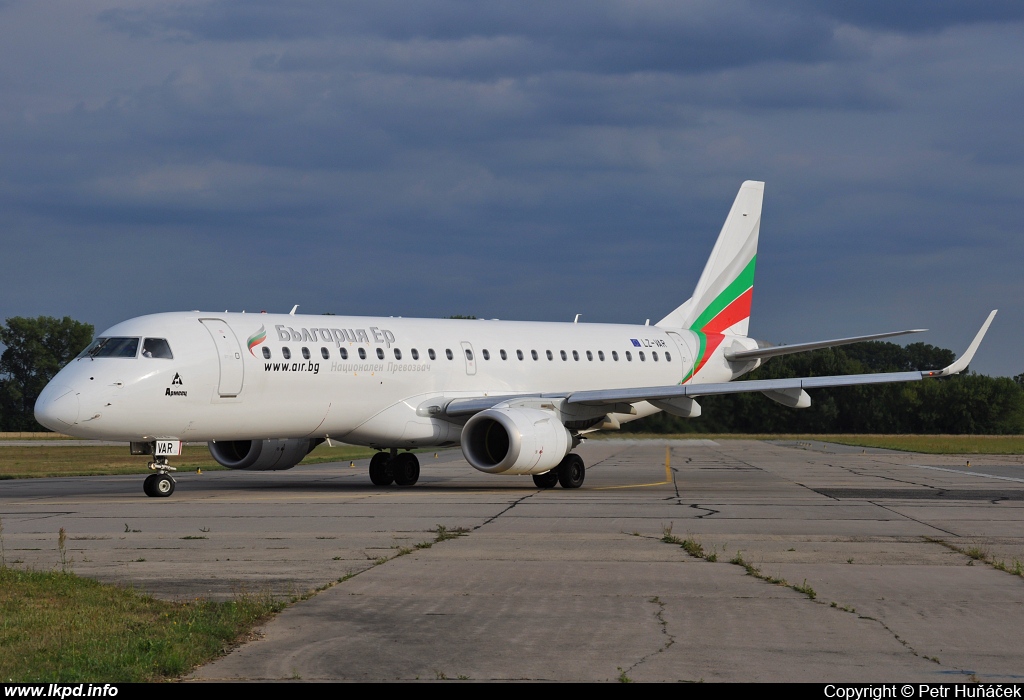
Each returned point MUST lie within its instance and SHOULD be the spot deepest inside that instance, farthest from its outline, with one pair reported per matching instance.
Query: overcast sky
(519, 160)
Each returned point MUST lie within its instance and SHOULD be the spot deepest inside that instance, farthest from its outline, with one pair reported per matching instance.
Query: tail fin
(721, 301)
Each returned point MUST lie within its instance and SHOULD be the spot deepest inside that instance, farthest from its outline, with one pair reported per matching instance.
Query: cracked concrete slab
(578, 585)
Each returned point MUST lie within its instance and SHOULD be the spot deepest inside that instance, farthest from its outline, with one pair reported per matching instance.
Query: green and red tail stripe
(727, 309)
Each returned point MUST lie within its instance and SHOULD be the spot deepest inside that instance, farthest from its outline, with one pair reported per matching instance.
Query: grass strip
(51, 461)
(59, 627)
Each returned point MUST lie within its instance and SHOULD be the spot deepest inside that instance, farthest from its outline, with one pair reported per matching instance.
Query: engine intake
(515, 441)
(261, 455)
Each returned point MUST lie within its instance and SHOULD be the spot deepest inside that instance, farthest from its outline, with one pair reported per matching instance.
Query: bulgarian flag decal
(257, 338)
(731, 306)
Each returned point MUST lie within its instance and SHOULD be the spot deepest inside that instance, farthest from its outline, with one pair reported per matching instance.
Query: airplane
(264, 389)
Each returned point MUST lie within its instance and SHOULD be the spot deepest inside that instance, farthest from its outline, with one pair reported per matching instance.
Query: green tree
(36, 349)
(966, 403)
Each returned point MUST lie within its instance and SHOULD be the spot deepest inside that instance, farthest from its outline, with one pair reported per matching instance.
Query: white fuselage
(219, 383)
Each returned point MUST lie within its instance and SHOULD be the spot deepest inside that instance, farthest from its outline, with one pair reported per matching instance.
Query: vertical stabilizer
(721, 301)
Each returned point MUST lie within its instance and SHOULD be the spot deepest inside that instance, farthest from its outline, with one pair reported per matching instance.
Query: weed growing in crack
(443, 533)
(667, 537)
(976, 553)
(806, 590)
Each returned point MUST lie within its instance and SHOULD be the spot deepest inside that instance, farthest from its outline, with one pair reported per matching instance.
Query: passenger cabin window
(156, 347)
(550, 356)
(654, 356)
(380, 353)
(642, 358)
(533, 354)
(629, 356)
(590, 356)
(448, 354)
(305, 353)
(266, 353)
(600, 355)
(563, 355)
(362, 353)
(112, 347)
(398, 354)
(615, 355)
(431, 354)
(519, 354)
(487, 355)
(415, 354)
(344, 353)
(286, 353)
(325, 353)
(469, 354)
(503, 354)
(668, 357)
(575, 356)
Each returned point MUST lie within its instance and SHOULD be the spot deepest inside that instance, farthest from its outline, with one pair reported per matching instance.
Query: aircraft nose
(57, 407)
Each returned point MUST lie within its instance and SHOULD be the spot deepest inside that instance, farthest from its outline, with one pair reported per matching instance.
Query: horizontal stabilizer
(776, 350)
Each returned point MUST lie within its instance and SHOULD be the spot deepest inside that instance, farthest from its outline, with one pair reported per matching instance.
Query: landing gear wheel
(380, 469)
(158, 485)
(547, 480)
(571, 472)
(406, 469)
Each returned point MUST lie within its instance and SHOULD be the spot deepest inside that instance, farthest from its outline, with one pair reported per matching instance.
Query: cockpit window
(112, 347)
(156, 347)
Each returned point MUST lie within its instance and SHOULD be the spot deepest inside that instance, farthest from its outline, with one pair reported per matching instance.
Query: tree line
(36, 348)
(967, 403)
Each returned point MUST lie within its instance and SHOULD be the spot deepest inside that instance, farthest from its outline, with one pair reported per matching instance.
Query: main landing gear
(160, 484)
(390, 467)
(570, 473)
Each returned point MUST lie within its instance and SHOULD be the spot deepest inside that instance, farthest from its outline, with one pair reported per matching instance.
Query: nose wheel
(161, 484)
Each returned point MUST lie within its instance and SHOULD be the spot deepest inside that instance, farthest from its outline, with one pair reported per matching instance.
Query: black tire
(571, 472)
(163, 485)
(147, 485)
(380, 469)
(406, 469)
(547, 480)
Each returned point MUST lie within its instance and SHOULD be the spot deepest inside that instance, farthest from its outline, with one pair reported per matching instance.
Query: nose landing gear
(160, 484)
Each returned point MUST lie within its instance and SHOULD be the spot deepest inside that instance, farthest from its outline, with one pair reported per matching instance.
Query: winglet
(961, 364)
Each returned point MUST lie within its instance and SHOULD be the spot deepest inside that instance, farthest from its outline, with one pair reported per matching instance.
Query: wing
(787, 391)
(664, 393)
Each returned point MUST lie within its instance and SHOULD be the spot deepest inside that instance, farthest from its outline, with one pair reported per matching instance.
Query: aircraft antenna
(577, 319)
(292, 312)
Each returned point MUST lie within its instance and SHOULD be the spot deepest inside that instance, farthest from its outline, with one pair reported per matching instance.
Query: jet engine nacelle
(261, 455)
(515, 441)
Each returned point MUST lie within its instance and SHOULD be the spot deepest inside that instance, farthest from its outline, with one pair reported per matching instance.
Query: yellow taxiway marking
(668, 476)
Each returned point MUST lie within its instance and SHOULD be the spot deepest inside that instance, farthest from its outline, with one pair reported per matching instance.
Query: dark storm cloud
(511, 38)
(912, 16)
(520, 160)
